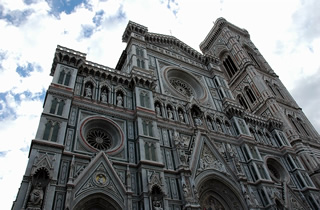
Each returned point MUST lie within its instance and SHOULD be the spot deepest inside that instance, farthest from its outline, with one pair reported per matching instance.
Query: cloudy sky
(287, 33)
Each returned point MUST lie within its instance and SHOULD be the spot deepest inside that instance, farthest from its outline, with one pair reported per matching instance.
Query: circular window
(99, 139)
(184, 84)
(277, 172)
(182, 87)
(100, 133)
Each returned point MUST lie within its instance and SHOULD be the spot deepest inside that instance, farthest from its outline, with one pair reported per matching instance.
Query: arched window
(51, 131)
(302, 126)
(230, 66)
(147, 150)
(55, 102)
(60, 108)
(139, 52)
(55, 131)
(254, 173)
(150, 151)
(294, 123)
(47, 130)
(279, 91)
(64, 78)
(144, 99)
(242, 102)
(61, 77)
(53, 106)
(271, 88)
(147, 128)
(67, 80)
(250, 95)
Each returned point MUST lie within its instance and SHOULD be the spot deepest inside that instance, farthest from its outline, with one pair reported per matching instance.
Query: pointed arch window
(250, 95)
(271, 88)
(294, 123)
(230, 66)
(242, 102)
(64, 78)
(67, 80)
(147, 128)
(150, 151)
(61, 77)
(302, 126)
(51, 131)
(57, 103)
(144, 99)
(53, 106)
(279, 91)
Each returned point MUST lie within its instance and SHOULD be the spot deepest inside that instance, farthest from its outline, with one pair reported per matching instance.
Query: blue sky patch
(9, 112)
(98, 17)
(3, 153)
(15, 17)
(67, 6)
(24, 71)
(87, 31)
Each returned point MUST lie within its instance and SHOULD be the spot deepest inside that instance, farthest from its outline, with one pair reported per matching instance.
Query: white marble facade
(171, 128)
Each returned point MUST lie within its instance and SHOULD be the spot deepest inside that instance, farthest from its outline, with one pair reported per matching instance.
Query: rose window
(181, 87)
(181, 83)
(101, 134)
(99, 139)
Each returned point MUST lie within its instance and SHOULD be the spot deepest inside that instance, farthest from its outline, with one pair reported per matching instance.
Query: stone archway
(97, 202)
(216, 195)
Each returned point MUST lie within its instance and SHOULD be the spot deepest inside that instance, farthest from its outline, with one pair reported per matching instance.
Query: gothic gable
(99, 177)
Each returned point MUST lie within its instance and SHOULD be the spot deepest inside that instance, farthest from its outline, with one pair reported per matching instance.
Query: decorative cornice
(171, 40)
(133, 27)
(216, 30)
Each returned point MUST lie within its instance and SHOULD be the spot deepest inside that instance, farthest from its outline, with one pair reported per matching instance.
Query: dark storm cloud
(306, 94)
(306, 20)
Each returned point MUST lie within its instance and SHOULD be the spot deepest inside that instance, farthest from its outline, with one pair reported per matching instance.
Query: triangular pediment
(44, 162)
(100, 177)
(209, 160)
(206, 158)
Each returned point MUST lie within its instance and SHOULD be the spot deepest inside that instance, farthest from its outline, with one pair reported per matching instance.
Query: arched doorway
(97, 202)
(216, 195)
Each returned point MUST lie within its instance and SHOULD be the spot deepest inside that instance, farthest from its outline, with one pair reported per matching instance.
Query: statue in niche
(181, 118)
(158, 111)
(104, 96)
(36, 196)
(197, 120)
(88, 91)
(119, 100)
(219, 127)
(170, 113)
(157, 205)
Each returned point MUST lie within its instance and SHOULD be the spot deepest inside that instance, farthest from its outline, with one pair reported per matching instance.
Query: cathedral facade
(171, 128)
